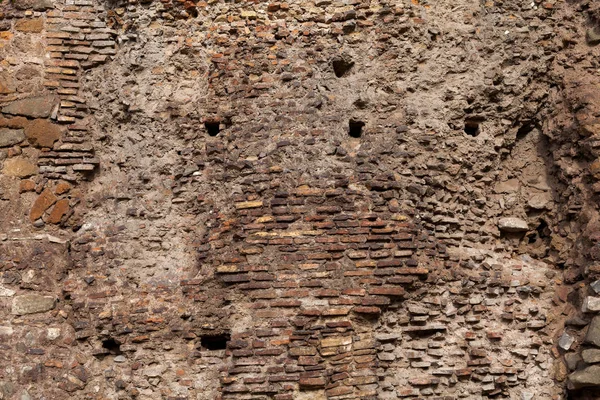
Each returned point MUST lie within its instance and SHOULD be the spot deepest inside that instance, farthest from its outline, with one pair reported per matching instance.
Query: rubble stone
(32, 304)
(34, 107)
(10, 137)
(512, 225)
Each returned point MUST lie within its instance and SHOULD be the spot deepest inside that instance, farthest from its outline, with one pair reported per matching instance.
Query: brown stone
(60, 209)
(20, 167)
(313, 382)
(367, 310)
(30, 25)
(34, 107)
(62, 187)
(42, 133)
(387, 291)
(26, 185)
(14, 122)
(6, 85)
(41, 204)
(339, 391)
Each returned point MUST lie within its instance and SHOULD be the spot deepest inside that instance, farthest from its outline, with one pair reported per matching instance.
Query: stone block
(10, 137)
(586, 377)
(32, 304)
(19, 167)
(512, 225)
(41, 204)
(34, 107)
(593, 333)
(336, 341)
(34, 25)
(37, 5)
(42, 133)
(60, 209)
(591, 356)
(591, 304)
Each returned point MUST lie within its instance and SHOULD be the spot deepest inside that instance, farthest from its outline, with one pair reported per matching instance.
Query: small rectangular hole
(215, 341)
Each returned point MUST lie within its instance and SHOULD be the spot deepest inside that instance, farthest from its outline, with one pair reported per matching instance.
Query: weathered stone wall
(302, 200)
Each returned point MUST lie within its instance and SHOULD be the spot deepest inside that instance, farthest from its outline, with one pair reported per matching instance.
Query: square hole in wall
(215, 341)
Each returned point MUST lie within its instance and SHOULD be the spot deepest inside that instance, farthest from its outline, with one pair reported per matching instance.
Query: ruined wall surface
(299, 200)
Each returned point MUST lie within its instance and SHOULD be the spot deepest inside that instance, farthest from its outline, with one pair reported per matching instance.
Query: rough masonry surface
(357, 199)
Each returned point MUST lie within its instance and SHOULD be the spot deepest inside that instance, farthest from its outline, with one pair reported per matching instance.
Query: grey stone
(32, 304)
(591, 356)
(572, 360)
(596, 286)
(587, 377)
(592, 35)
(387, 337)
(120, 359)
(591, 304)
(526, 396)
(10, 137)
(34, 107)
(565, 341)
(539, 201)
(593, 333)
(386, 356)
(512, 225)
(154, 371)
(37, 5)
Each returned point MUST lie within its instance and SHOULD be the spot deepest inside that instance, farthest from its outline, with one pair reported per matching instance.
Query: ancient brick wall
(299, 200)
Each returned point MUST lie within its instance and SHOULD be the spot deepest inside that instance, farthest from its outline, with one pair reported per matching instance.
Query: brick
(387, 291)
(248, 205)
(313, 382)
(367, 310)
(375, 300)
(44, 201)
(59, 210)
(339, 391)
(336, 341)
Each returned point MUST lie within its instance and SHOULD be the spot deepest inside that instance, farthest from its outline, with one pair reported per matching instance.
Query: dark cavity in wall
(192, 12)
(472, 127)
(215, 342)
(525, 129)
(355, 128)
(112, 346)
(212, 127)
(341, 66)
